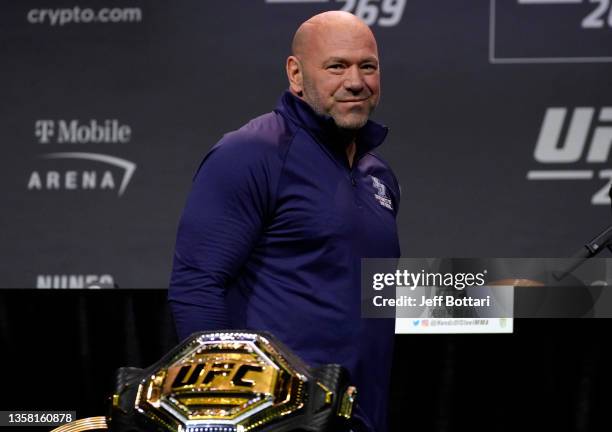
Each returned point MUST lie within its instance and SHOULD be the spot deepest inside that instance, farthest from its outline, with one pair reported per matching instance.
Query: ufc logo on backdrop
(571, 136)
(582, 125)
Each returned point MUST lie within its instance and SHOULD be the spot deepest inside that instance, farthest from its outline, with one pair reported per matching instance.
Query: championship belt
(227, 381)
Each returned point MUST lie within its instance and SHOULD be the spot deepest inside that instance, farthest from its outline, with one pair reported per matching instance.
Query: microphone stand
(589, 250)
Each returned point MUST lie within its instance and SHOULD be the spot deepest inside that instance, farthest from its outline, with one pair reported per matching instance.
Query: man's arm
(222, 221)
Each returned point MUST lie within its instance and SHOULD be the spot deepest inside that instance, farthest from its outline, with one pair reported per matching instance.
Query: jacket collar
(370, 136)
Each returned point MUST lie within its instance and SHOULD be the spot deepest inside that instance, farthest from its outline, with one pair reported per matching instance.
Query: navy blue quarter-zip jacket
(272, 238)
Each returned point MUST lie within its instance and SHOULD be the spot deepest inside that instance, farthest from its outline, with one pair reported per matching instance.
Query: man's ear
(294, 74)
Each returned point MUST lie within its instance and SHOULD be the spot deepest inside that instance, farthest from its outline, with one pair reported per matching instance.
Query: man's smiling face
(339, 71)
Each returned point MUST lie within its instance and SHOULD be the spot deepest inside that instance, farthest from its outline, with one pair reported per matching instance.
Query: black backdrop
(60, 349)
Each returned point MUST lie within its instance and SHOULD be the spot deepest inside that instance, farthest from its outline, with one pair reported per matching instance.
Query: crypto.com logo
(385, 13)
(588, 139)
(76, 15)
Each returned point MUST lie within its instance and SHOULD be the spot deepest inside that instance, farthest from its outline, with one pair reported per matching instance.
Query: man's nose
(353, 80)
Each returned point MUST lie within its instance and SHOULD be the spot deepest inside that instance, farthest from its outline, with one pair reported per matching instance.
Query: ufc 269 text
(600, 17)
(385, 13)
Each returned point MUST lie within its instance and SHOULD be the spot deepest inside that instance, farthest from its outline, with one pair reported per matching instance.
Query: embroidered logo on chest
(381, 193)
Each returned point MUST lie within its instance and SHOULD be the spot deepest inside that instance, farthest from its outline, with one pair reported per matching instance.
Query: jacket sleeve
(223, 218)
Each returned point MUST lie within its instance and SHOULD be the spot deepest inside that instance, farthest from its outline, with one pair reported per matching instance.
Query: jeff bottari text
(439, 300)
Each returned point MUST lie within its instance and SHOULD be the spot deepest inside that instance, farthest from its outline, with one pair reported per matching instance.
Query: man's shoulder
(267, 134)
(262, 142)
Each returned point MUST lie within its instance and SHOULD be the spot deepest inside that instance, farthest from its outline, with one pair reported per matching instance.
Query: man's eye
(369, 66)
(335, 66)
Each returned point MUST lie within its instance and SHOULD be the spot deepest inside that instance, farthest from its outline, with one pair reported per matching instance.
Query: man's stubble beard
(312, 98)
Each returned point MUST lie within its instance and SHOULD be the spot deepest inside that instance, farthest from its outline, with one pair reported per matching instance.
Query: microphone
(589, 250)
(610, 195)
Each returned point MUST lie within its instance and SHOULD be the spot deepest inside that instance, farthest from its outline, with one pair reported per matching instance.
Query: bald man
(282, 211)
